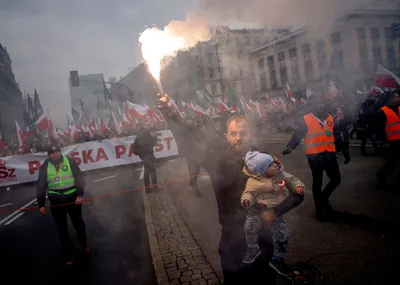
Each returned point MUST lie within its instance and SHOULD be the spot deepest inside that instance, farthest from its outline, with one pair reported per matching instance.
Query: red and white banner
(19, 169)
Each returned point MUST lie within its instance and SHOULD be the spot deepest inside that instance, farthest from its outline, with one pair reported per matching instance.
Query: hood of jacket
(262, 177)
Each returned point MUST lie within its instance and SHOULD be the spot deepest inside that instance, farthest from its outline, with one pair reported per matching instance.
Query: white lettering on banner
(92, 155)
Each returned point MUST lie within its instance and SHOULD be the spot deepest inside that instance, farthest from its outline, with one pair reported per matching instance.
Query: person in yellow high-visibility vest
(63, 182)
(321, 137)
(388, 127)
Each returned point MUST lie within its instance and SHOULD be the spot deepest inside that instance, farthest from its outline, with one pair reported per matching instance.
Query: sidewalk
(177, 257)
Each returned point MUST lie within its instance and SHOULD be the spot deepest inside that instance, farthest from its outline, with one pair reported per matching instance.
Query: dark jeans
(232, 247)
(60, 218)
(368, 135)
(149, 170)
(319, 163)
(392, 155)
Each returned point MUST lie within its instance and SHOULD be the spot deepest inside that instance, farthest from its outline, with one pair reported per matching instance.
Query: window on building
(374, 33)
(209, 58)
(360, 33)
(272, 74)
(211, 73)
(321, 56)
(307, 60)
(213, 88)
(390, 51)
(270, 61)
(336, 38)
(377, 55)
(282, 67)
(263, 81)
(294, 63)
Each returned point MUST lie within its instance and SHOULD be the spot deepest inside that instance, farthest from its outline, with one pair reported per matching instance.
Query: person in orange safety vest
(388, 128)
(321, 138)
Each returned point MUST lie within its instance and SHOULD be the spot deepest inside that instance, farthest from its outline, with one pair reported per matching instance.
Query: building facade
(350, 52)
(11, 104)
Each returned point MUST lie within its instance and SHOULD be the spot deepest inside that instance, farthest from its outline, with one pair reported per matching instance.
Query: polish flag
(385, 78)
(20, 135)
(44, 123)
(136, 111)
(332, 91)
(222, 106)
(73, 132)
(200, 112)
(92, 125)
(116, 124)
(289, 94)
(176, 109)
(1, 142)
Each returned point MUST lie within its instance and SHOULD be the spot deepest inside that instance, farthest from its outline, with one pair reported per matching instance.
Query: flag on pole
(385, 78)
(289, 94)
(116, 124)
(20, 135)
(332, 91)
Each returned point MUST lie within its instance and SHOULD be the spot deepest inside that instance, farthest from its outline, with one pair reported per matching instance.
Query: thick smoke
(275, 13)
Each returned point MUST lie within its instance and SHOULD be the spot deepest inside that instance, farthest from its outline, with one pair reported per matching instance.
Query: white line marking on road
(17, 212)
(5, 205)
(142, 173)
(105, 178)
(13, 219)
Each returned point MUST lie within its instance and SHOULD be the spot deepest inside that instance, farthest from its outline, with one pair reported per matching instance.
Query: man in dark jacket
(228, 180)
(143, 147)
(62, 180)
(321, 138)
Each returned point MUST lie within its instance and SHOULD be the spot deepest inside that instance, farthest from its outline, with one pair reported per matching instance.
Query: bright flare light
(156, 45)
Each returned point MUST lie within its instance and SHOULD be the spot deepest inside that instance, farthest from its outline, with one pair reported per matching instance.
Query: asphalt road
(30, 251)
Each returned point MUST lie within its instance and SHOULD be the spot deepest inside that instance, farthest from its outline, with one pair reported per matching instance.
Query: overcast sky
(48, 38)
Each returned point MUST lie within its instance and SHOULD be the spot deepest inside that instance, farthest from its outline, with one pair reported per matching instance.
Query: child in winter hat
(268, 185)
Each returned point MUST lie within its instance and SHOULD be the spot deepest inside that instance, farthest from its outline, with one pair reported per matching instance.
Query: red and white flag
(44, 123)
(1, 142)
(20, 135)
(289, 94)
(136, 111)
(222, 107)
(332, 90)
(385, 78)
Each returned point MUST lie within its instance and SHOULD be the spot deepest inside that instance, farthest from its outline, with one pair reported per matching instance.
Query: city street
(358, 247)
(30, 250)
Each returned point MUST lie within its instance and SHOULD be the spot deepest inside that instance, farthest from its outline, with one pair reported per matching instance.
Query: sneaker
(251, 255)
(279, 266)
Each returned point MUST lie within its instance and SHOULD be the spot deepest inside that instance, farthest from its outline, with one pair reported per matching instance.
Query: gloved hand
(287, 151)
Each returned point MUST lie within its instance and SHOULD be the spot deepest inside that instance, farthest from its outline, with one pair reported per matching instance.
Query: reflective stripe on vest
(62, 181)
(392, 127)
(319, 139)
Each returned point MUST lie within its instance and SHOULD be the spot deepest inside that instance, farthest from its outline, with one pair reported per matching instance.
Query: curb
(161, 274)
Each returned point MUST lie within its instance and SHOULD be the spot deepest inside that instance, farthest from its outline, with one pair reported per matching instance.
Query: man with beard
(321, 138)
(63, 182)
(228, 180)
